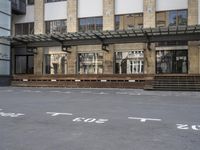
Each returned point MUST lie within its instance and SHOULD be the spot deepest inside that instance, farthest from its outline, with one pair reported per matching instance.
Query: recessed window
(30, 2)
(56, 26)
(172, 18)
(90, 24)
(131, 62)
(24, 29)
(49, 1)
(24, 64)
(55, 63)
(129, 21)
(90, 63)
(171, 61)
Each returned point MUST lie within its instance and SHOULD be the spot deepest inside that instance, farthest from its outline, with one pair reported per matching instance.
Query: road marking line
(144, 119)
(57, 114)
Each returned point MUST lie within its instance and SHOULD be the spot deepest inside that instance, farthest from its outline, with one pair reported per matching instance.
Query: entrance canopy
(142, 35)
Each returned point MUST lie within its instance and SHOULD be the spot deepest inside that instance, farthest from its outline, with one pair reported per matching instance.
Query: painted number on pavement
(188, 127)
(90, 120)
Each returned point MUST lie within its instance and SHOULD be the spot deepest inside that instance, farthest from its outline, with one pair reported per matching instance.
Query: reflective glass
(4, 67)
(4, 52)
(90, 63)
(4, 32)
(171, 61)
(5, 21)
(5, 6)
(130, 62)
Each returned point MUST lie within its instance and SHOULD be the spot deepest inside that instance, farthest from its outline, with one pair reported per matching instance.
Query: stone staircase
(174, 83)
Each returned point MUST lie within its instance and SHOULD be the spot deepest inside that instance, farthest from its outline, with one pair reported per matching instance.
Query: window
(90, 63)
(30, 2)
(171, 18)
(90, 24)
(171, 61)
(131, 62)
(56, 26)
(49, 1)
(130, 21)
(4, 59)
(24, 29)
(24, 64)
(55, 63)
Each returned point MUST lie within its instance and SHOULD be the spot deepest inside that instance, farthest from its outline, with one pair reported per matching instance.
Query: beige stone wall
(149, 21)
(108, 14)
(39, 29)
(72, 60)
(149, 13)
(192, 12)
(72, 15)
(193, 49)
(193, 58)
(109, 60)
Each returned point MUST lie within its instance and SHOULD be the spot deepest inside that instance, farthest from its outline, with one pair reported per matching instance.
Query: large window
(90, 24)
(30, 2)
(131, 62)
(24, 29)
(5, 28)
(56, 63)
(4, 59)
(56, 26)
(24, 64)
(171, 18)
(130, 21)
(171, 61)
(90, 63)
(49, 1)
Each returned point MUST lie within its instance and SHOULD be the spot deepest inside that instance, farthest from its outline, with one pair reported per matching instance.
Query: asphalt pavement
(98, 119)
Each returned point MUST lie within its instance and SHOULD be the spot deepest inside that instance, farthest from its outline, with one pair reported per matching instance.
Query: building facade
(69, 16)
(5, 30)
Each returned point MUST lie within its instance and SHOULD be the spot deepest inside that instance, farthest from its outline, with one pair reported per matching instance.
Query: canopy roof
(142, 35)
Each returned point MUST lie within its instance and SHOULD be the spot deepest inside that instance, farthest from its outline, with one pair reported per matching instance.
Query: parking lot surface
(98, 119)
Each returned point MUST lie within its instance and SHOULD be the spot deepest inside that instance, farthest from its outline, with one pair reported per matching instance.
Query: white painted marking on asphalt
(90, 120)
(196, 127)
(66, 92)
(188, 127)
(86, 92)
(182, 126)
(53, 114)
(122, 93)
(101, 93)
(144, 119)
(6, 90)
(13, 115)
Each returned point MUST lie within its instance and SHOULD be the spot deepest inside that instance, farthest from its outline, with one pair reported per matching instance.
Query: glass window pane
(90, 24)
(25, 29)
(5, 21)
(182, 17)
(20, 65)
(172, 18)
(130, 21)
(4, 52)
(90, 63)
(161, 20)
(30, 65)
(4, 32)
(171, 61)
(5, 6)
(131, 62)
(4, 67)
